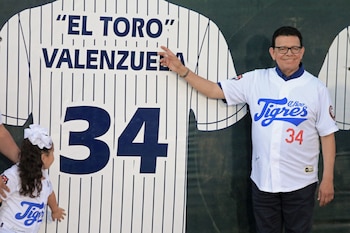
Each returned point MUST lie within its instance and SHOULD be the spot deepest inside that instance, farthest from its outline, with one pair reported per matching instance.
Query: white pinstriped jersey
(335, 74)
(89, 71)
(287, 119)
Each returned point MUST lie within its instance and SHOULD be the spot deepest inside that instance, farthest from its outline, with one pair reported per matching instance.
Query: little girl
(24, 206)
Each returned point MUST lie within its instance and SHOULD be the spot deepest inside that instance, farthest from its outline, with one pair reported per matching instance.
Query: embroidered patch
(239, 77)
(309, 169)
(331, 112)
(4, 178)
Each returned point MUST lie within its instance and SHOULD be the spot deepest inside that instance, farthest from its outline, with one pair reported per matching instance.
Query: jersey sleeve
(214, 61)
(11, 179)
(236, 89)
(325, 122)
(15, 70)
(48, 181)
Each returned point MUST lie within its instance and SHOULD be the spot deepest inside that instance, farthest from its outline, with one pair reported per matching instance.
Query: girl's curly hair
(30, 169)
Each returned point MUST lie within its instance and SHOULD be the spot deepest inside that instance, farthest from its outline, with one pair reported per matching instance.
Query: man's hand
(326, 189)
(170, 60)
(325, 193)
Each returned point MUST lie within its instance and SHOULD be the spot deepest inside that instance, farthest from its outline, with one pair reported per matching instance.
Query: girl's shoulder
(12, 171)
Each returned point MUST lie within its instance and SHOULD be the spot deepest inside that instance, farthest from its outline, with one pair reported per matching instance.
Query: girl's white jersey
(22, 213)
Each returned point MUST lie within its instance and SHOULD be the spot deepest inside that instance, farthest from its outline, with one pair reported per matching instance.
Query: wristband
(185, 75)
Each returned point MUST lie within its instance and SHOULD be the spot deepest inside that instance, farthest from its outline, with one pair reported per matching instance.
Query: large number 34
(99, 123)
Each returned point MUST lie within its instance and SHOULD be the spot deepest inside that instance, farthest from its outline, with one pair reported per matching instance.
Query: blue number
(150, 149)
(99, 123)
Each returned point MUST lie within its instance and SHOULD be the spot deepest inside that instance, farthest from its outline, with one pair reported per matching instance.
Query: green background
(219, 162)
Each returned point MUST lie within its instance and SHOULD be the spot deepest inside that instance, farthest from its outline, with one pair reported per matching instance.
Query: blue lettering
(126, 23)
(137, 24)
(151, 60)
(120, 65)
(105, 21)
(77, 65)
(133, 61)
(136, 27)
(33, 213)
(150, 149)
(109, 60)
(73, 24)
(158, 25)
(49, 62)
(65, 58)
(102, 59)
(90, 58)
(84, 31)
(278, 109)
(99, 122)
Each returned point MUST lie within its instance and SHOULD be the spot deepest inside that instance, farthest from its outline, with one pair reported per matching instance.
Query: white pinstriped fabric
(335, 73)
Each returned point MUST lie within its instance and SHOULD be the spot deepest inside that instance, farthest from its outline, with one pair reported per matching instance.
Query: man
(291, 110)
(9, 148)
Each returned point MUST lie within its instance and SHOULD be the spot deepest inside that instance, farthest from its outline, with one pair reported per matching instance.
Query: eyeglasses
(284, 49)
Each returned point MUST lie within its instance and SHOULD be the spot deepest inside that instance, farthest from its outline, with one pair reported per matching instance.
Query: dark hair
(30, 169)
(286, 31)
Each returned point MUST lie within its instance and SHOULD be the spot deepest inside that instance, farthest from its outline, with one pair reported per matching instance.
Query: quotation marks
(169, 22)
(61, 18)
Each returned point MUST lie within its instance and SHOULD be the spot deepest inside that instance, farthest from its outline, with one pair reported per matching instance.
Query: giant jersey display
(89, 72)
(335, 74)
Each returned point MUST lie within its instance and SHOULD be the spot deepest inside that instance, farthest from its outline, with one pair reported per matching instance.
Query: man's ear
(272, 53)
(302, 52)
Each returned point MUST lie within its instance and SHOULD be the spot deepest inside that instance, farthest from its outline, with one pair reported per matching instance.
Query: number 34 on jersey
(99, 122)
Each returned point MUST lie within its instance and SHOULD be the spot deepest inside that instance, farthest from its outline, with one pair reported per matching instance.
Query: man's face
(287, 53)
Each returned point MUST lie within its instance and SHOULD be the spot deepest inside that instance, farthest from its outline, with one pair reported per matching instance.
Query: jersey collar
(296, 74)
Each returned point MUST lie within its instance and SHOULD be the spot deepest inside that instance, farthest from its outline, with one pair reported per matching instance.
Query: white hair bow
(38, 136)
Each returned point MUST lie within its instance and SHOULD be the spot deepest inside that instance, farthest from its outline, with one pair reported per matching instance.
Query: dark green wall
(249, 24)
